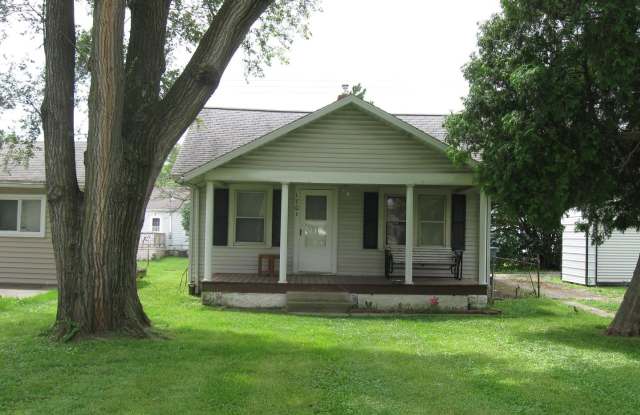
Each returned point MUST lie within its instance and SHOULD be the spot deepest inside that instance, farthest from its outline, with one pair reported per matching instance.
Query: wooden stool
(271, 264)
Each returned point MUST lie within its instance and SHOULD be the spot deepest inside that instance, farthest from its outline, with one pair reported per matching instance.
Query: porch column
(284, 217)
(408, 245)
(194, 234)
(483, 248)
(208, 233)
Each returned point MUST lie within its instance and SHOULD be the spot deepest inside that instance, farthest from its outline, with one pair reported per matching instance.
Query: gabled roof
(168, 198)
(33, 172)
(221, 134)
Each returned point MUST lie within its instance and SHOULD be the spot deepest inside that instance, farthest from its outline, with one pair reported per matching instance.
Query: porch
(257, 283)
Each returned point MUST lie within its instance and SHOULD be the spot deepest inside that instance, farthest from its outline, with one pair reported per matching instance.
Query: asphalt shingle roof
(33, 172)
(218, 131)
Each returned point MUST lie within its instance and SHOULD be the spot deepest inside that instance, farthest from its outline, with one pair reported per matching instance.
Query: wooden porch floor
(254, 283)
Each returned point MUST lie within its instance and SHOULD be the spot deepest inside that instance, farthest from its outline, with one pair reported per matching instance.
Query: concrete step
(318, 302)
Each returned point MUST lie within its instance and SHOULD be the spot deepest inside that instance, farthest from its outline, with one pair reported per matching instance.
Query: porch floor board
(254, 283)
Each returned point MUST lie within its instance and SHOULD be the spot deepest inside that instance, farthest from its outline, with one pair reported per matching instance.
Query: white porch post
(284, 218)
(408, 247)
(194, 234)
(483, 248)
(208, 233)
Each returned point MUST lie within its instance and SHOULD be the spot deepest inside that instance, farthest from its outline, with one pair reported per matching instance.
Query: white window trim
(233, 197)
(416, 220)
(20, 198)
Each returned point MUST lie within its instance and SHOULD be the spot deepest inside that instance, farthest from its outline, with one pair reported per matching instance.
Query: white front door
(316, 231)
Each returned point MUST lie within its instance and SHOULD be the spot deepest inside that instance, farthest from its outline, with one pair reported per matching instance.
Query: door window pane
(396, 233)
(30, 216)
(251, 204)
(316, 207)
(9, 215)
(315, 236)
(249, 230)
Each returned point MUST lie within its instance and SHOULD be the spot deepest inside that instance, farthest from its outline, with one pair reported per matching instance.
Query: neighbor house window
(155, 225)
(431, 220)
(251, 208)
(395, 220)
(22, 216)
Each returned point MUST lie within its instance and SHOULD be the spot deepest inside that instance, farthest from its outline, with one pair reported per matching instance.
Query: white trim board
(368, 108)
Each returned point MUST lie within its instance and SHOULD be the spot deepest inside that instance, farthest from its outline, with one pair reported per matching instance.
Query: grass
(537, 357)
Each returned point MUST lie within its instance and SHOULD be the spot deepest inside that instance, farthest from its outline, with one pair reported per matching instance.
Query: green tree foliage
(165, 179)
(554, 111)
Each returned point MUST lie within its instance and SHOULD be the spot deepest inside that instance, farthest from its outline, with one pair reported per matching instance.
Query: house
(26, 251)
(610, 263)
(340, 198)
(162, 231)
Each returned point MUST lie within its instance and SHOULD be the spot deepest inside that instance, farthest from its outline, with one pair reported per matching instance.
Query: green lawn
(538, 357)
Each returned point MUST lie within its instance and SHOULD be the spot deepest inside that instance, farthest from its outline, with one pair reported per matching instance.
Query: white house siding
(349, 141)
(352, 259)
(617, 257)
(27, 260)
(574, 251)
(170, 225)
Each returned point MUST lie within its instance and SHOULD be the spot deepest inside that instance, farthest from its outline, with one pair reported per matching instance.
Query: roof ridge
(309, 112)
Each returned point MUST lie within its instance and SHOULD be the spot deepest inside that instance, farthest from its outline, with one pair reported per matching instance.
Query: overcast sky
(407, 53)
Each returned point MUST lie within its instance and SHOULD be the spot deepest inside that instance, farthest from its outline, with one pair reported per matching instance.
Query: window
(155, 225)
(431, 220)
(251, 209)
(22, 216)
(395, 220)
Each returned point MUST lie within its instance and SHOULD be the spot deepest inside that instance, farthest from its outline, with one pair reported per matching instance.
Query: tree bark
(95, 232)
(627, 319)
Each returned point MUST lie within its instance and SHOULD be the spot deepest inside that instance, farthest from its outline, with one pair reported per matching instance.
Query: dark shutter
(220, 217)
(370, 221)
(458, 217)
(275, 218)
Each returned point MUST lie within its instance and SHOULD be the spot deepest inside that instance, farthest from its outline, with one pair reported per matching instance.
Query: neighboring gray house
(340, 198)
(611, 263)
(26, 251)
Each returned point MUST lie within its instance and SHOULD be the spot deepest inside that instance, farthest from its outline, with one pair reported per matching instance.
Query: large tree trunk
(95, 232)
(627, 319)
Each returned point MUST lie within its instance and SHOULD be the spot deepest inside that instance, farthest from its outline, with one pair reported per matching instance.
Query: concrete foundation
(372, 302)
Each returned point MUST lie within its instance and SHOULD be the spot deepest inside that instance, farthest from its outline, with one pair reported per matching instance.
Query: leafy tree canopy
(554, 111)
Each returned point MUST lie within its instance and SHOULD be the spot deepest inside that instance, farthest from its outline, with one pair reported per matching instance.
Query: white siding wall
(617, 257)
(347, 140)
(27, 260)
(352, 259)
(170, 225)
(574, 251)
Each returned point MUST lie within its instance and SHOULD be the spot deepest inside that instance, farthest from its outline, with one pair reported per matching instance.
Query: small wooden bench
(271, 264)
(394, 257)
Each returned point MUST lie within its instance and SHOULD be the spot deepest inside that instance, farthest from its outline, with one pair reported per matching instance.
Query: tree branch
(145, 61)
(202, 74)
(57, 107)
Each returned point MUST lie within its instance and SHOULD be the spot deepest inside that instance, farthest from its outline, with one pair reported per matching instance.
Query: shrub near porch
(538, 357)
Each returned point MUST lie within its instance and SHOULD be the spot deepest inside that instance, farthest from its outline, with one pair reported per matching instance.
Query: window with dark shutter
(458, 217)
(370, 221)
(275, 218)
(221, 217)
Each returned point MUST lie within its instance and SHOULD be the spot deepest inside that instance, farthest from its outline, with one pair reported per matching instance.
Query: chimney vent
(345, 91)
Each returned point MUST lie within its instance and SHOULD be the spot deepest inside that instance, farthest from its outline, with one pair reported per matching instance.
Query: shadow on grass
(222, 371)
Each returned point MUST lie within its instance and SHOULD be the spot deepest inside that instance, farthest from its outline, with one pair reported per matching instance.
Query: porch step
(318, 302)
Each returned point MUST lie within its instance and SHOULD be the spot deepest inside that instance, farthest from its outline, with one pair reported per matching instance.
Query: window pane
(316, 208)
(155, 225)
(431, 207)
(30, 216)
(395, 233)
(251, 204)
(249, 230)
(315, 236)
(8, 215)
(396, 210)
(431, 233)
